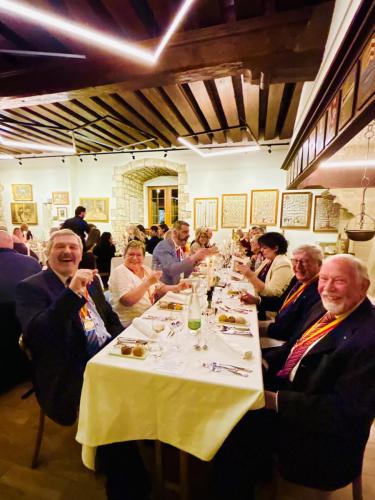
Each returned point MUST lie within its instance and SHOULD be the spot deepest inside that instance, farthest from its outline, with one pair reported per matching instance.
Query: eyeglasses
(302, 262)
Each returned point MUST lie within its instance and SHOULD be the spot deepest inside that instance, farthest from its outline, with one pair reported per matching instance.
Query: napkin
(176, 297)
(143, 327)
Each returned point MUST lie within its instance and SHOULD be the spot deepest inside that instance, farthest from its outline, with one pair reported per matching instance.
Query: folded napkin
(143, 327)
(179, 298)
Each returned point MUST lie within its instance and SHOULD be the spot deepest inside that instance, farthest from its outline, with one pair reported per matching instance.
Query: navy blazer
(325, 413)
(52, 329)
(290, 320)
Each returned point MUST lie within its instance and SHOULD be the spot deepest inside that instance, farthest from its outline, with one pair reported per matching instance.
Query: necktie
(292, 295)
(317, 331)
(179, 253)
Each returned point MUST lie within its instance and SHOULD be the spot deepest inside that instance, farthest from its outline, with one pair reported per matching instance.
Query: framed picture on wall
(320, 133)
(264, 205)
(295, 210)
(347, 97)
(366, 84)
(62, 213)
(233, 210)
(206, 213)
(24, 212)
(97, 209)
(22, 192)
(332, 118)
(60, 198)
(326, 214)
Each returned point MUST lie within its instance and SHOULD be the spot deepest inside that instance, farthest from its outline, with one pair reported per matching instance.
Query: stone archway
(128, 183)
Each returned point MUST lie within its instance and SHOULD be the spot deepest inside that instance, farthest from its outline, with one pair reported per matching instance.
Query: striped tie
(289, 298)
(317, 331)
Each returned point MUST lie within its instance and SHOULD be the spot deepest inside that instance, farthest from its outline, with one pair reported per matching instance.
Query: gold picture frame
(264, 207)
(22, 192)
(206, 213)
(233, 210)
(62, 213)
(97, 209)
(296, 210)
(60, 198)
(326, 214)
(24, 213)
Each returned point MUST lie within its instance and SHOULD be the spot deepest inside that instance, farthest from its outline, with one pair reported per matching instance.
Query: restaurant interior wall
(205, 178)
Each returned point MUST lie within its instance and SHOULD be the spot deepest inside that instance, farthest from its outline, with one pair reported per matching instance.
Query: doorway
(162, 205)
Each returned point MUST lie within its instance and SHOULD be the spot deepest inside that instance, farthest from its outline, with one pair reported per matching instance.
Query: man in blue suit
(65, 321)
(320, 397)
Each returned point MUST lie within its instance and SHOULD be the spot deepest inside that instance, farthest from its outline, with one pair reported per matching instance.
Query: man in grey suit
(170, 255)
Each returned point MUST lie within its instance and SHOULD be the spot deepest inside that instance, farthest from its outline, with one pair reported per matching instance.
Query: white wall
(205, 178)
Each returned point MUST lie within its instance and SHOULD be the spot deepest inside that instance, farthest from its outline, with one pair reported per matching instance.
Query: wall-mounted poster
(24, 212)
(295, 210)
(62, 213)
(264, 204)
(312, 140)
(347, 98)
(22, 192)
(206, 213)
(97, 209)
(233, 210)
(60, 198)
(326, 214)
(366, 84)
(332, 118)
(320, 133)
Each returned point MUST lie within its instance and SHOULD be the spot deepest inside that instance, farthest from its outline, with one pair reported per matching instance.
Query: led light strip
(348, 163)
(6, 157)
(226, 152)
(34, 145)
(96, 37)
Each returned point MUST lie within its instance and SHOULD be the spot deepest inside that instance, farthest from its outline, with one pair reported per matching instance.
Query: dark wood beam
(281, 45)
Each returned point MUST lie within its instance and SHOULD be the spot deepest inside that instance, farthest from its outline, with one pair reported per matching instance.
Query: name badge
(88, 325)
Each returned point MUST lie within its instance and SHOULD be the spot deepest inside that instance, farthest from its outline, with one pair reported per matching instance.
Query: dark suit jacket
(325, 414)
(294, 316)
(49, 314)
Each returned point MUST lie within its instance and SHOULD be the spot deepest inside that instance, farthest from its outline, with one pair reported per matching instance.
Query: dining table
(188, 389)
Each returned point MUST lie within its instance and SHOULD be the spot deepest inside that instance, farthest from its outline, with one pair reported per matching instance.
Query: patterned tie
(290, 299)
(179, 253)
(317, 331)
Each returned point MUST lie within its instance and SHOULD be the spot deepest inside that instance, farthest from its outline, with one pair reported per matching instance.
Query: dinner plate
(116, 351)
(234, 325)
(167, 309)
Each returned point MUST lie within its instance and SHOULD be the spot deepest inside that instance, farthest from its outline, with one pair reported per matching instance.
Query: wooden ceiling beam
(288, 126)
(251, 104)
(275, 94)
(225, 90)
(276, 44)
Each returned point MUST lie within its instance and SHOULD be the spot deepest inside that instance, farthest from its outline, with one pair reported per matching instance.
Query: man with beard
(65, 321)
(320, 394)
(170, 255)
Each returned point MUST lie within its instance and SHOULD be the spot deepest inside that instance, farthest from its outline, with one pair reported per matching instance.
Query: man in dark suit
(14, 267)
(65, 321)
(77, 224)
(154, 240)
(320, 397)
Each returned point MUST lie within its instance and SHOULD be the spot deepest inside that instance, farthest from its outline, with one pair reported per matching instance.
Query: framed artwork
(264, 204)
(366, 84)
(326, 214)
(206, 213)
(295, 210)
(97, 209)
(312, 140)
(62, 213)
(332, 118)
(320, 133)
(233, 210)
(347, 97)
(60, 198)
(24, 212)
(305, 155)
(22, 192)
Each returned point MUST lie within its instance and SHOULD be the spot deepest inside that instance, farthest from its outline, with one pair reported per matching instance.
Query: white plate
(245, 326)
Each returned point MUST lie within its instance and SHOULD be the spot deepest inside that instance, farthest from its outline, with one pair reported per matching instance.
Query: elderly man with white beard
(320, 393)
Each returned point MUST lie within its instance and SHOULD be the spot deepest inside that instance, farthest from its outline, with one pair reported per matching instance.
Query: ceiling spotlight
(95, 158)
(165, 154)
(62, 159)
(133, 156)
(269, 149)
(19, 162)
(81, 159)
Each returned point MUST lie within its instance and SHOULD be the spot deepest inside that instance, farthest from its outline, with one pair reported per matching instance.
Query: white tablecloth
(173, 399)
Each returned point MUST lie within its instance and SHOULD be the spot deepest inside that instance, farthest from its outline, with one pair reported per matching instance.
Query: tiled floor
(61, 475)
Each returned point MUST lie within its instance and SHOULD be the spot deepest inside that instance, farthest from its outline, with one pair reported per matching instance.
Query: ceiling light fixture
(348, 163)
(165, 154)
(96, 37)
(231, 151)
(20, 162)
(34, 145)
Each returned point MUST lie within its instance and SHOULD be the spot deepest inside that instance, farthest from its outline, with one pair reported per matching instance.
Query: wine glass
(157, 348)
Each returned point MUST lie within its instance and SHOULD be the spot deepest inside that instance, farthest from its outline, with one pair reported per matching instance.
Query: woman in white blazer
(274, 274)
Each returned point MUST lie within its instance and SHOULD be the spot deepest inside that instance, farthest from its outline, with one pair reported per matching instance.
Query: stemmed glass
(157, 348)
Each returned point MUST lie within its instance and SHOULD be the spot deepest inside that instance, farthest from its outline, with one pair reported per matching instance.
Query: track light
(133, 156)
(165, 154)
(20, 162)
(269, 149)
(62, 159)
(81, 159)
(95, 158)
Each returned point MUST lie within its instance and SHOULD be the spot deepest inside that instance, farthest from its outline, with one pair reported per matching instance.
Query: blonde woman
(202, 239)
